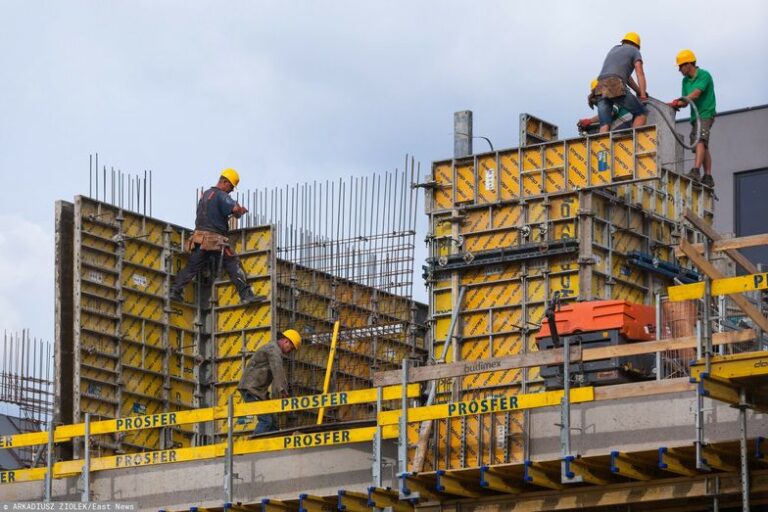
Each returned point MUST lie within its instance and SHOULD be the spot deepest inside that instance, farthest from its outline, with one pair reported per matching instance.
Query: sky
(294, 91)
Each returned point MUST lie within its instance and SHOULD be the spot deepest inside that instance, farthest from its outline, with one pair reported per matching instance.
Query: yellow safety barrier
(487, 406)
(153, 458)
(725, 286)
(167, 419)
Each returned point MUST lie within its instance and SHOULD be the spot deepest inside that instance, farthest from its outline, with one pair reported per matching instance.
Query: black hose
(672, 128)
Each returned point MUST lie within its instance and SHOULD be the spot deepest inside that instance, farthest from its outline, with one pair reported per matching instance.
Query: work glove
(676, 104)
(583, 124)
(238, 211)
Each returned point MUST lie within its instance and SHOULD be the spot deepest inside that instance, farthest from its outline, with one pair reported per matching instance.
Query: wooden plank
(555, 356)
(425, 431)
(725, 244)
(713, 235)
(645, 388)
(710, 270)
(444, 371)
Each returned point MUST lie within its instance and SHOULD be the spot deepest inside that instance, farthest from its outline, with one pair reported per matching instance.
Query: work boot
(694, 174)
(176, 296)
(708, 181)
(247, 297)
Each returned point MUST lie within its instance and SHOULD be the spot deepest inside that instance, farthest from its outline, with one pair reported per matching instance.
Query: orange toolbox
(634, 322)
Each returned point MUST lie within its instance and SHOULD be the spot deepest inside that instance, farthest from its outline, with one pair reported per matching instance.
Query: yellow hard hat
(294, 336)
(632, 37)
(593, 85)
(684, 57)
(231, 175)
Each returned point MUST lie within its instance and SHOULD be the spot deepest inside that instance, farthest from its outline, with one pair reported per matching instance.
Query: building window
(751, 210)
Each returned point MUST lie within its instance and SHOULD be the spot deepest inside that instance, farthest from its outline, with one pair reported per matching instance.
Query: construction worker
(698, 88)
(265, 367)
(209, 242)
(621, 118)
(616, 75)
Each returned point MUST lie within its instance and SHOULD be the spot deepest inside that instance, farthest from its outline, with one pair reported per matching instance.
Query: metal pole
(707, 327)
(565, 429)
(402, 448)
(659, 369)
(743, 451)
(377, 439)
(228, 459)
(49, 464)
(86, 496)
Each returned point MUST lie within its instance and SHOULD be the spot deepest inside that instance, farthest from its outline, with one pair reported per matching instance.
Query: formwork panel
(509, 175)
(464, 186)
(488, 179)
(548, 168)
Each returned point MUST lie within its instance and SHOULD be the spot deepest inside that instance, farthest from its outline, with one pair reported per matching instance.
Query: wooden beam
(451, 484)
(705, 266)
(422, 445)
(650, 494)
(537, 474)
(555, 356)
(497, 481)
(645, 388)
(387, 498)
(725, 244)
(670, 461)
(713, 235)
(626, 465)
(717, 460)
(445, 371)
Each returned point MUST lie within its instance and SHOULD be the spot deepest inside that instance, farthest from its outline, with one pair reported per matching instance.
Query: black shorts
(706, 127)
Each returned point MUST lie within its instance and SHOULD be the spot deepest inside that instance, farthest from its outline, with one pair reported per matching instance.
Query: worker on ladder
(699, 88)
(209, 242)
(615, 79)
(265, 367)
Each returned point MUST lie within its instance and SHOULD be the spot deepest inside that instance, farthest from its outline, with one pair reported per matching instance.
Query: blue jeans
(629, 101)
(264, 422)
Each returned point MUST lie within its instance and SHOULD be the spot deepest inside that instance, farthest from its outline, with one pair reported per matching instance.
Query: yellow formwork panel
(182, 394)
(252, 239)
(509, 175)
(98, 350)
(140, 330)
(142, 357)
(442, 194)
(464, 186)
(488, 179)
(96, 260)
(143, 306)
(139, 227)
(245, 317)
(144, 255)
(183, 317)
(98, 407)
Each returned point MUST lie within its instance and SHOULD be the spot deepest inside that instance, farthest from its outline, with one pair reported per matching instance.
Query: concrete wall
(738, 144)
(638, 424)
(283, 474)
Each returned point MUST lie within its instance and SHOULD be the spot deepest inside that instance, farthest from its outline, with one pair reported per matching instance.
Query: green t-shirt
(706, 100)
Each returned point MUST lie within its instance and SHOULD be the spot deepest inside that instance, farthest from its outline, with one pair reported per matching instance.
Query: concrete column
(462, 133)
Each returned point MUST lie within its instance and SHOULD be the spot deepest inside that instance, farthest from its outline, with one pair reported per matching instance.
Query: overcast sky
(292, 91)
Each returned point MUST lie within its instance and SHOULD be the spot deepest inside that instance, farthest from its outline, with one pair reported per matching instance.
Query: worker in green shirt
(698, 88)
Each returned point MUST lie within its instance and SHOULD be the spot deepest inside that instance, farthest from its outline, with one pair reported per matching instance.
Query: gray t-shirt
(213, 211)
(620, 62)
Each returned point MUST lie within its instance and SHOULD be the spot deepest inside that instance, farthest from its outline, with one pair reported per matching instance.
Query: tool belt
(610, 87)
(207, 240)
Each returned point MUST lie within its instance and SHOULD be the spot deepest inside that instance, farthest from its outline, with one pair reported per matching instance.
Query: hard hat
(684, 57)
(294, 336)
(231, 175)
(632, 37)
(593, 85)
